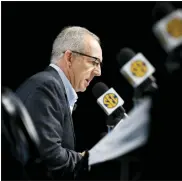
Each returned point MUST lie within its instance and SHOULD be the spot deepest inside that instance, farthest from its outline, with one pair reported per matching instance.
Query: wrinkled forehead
(93, 47)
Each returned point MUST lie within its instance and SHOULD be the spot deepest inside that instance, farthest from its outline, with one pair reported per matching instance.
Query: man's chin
(83, 89)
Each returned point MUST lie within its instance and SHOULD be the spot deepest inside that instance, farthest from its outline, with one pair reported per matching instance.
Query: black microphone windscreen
(161, 9)
(125, 55)
(121, 108)
(99, 89)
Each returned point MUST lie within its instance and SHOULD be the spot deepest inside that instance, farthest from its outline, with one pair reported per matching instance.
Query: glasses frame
(97, 60)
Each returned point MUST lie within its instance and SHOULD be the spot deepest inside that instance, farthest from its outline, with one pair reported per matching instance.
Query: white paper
(128, 134)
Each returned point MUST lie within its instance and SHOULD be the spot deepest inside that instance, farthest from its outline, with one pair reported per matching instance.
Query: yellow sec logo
(110, 100)
(138, 68)
(174, 27)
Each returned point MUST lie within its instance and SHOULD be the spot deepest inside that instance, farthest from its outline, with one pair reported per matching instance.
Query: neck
(66, 72)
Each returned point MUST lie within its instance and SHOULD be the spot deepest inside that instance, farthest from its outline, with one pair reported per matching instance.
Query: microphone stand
(110, 127)
(148, 86)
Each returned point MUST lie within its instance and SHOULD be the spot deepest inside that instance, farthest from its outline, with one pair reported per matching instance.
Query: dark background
(28, 31)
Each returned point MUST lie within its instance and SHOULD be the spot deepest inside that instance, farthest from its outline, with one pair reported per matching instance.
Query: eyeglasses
(96, 60)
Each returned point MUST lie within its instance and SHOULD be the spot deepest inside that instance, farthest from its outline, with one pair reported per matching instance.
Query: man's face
(84, 68)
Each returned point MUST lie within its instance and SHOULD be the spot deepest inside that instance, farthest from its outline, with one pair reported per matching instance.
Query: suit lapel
(55, 74)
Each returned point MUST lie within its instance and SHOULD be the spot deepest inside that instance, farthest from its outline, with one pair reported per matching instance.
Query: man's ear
(68, 57)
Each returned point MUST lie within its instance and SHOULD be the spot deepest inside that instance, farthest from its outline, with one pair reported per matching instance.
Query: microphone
(167, 25)
(174, 60)
(137, 70)
(110, 102)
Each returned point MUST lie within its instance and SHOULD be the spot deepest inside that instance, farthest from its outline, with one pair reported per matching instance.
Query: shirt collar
(71, 94)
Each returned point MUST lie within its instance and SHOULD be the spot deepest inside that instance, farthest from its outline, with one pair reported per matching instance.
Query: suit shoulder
(43, 81)
(42, 78)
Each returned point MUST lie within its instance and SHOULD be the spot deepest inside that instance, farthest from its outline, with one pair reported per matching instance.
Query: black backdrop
(28, 31)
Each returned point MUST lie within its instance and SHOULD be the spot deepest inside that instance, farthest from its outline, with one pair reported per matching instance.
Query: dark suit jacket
(45, 98)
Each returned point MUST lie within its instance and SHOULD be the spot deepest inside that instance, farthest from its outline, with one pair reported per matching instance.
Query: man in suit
(50, 95)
